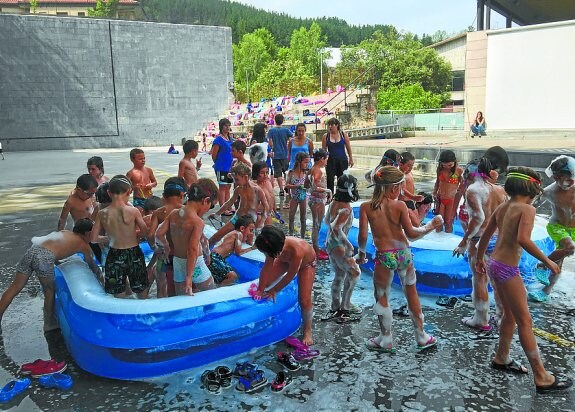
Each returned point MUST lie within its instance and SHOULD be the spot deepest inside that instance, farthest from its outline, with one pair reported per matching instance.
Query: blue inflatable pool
(438, 271)
(133, 339)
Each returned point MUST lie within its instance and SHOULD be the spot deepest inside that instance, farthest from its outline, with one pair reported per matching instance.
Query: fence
(427, 120)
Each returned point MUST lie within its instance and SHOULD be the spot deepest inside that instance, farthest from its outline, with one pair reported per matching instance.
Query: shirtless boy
(481, 198)
(238, 154)
(40, 259)
(142, 178)
(561, 227)
(125, 258)
(174, 190)
(390, 228)
(80, 202)
(250, 195)
(187, 169)
(414, 202)
(291, 256)
(186, 229)
(260, 175)
(222, 272)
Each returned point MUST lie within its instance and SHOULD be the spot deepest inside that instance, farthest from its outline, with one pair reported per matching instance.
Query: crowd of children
(497, 221)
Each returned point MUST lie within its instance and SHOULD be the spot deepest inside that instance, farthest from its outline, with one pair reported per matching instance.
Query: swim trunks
(394, 259)
(122, 263)
(167, 269)
(201, 271)
(139, 202)
(559, 232)
(219, 267)
(37, 260)
(410, 204)
(500, 272)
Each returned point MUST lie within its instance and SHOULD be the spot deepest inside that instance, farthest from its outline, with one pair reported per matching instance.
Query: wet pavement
(455, 376)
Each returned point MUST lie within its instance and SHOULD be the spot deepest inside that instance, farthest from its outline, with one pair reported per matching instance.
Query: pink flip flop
(296, 343)
(430, 343)
(467, 322)
(301, 354)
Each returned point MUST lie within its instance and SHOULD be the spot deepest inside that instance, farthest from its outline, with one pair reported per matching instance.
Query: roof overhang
(527, 12)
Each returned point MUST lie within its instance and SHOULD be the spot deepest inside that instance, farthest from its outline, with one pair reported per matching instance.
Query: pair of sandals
(215, 380)
(515, 367)
(250, 377)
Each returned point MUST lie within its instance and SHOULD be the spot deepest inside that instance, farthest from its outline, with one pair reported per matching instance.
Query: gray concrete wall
(82, 83)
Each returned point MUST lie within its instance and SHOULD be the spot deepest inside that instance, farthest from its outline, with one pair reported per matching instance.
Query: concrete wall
(80, 83)
(531, 77)
(475, 76)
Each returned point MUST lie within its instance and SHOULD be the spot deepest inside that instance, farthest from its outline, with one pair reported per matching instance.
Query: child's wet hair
(447, 156)
(427, 198)
(152, 203)
(390, 157)
(135, 152)
(385, 179)
(119, 184)
(300, 157)
(406, 157)
(190, 146)
(86, 182)
(523, 181)
(174, 186)
(478, 167)
(239, 146)
(270, 241)
(203, 188)
(563, 166)
(241, 169)
(257, 168)
(346, 189)
(319, 154)
(498, 157)
(96, 161)
(102, 195)
(244, 221)
(83, 226)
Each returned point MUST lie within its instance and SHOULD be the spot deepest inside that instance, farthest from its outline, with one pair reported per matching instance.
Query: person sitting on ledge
(478, 126)
(172, 150)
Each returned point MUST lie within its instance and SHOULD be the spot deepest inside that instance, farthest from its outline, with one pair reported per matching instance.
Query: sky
(415, 16)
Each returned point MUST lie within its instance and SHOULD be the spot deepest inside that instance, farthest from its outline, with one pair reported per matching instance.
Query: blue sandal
(56, 380)
(13, 388)
(244, 369)
(251, 383)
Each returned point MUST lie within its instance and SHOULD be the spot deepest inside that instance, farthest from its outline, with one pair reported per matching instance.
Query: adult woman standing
(336, 142)
(299, 143)
(478, 126)
(222, 157)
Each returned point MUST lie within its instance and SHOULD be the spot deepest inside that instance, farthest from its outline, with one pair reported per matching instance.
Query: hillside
(245, 19)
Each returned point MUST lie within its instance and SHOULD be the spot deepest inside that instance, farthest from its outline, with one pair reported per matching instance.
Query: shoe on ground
(288, 361)
(56, 380)
(26, 368)
(48, 368)
(280, 382)
(13, 388)
(355, 310)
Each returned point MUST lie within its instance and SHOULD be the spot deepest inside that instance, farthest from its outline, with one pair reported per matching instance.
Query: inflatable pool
(438, 271)
(133, 339)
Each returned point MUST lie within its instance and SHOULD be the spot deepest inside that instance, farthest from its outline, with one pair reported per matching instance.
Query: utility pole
(247, 86)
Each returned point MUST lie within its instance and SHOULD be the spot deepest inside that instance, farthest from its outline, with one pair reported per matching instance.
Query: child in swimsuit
(95, 166)
(260, 175)
(514, 221)
(125, 259)
(561, 226)
(295, 183)
(339, 218)
(449, 182)
(390, 226)
(141, 177)
(319, 195)
(290, 256)
(186, 228)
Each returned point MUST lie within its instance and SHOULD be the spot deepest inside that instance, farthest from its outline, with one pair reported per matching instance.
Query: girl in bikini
(514, 221)
(449, 182)
(339, 218)
(390, 226)
(319, 195)
(291, 256)
(295, 183)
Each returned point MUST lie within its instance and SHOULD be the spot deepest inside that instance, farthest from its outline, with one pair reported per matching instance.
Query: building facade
(127, 9)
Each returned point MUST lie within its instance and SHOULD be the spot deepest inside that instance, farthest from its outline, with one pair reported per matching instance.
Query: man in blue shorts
(278, 137)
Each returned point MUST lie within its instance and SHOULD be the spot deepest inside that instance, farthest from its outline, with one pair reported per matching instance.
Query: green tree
(306, 46)
(408, 97)
(283, 77)
(104, 8)
(34, 6)
(252, 54)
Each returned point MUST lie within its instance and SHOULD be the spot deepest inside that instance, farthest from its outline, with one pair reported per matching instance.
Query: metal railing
(344, 91)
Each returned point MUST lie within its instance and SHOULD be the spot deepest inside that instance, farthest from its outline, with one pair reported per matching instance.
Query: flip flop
(300, 355)
(296, 343)
(345, 317)
(483, 335)
(484, 328)
(447, 302)
(430, 343)
(542, 275)
(466, 298)
(401, 312)
(512, 367)
(331, 315)
(371, 344)
(557, 385)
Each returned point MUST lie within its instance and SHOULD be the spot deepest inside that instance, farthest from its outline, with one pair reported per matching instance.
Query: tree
(410, 97)
(104, 8)
(252, 54)
(306, 46)
(34, 6)
(283, 77)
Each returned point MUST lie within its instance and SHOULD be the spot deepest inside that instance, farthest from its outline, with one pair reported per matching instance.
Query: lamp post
(320, 71)
(247, 86)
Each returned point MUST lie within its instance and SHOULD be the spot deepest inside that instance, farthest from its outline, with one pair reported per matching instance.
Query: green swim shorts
(559, 232)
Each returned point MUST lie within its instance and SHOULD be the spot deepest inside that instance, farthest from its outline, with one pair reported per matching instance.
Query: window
(61, 13)
(458, 81)
(81, 14)
(457, 102)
